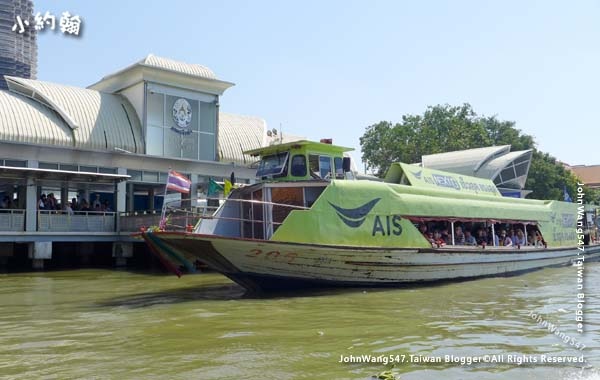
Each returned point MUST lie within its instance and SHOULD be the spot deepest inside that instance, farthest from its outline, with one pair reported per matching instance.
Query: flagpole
(162, 223)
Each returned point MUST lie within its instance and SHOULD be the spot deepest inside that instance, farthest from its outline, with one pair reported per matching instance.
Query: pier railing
(12, 220)
(79, 221)
(133, 221)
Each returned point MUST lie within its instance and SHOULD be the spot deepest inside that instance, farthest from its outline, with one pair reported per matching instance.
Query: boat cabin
(302, 161)
(290, 176)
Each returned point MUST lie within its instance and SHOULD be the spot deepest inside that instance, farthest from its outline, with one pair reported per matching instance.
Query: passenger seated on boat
(505, 241)
(531, 239)
(446, 236)
(459, 236)
(469, 239)
(539, 240)
(482, 238)
(438, 241)
(519, 238)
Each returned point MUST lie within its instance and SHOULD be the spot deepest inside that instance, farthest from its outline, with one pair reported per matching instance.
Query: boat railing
(181, 216)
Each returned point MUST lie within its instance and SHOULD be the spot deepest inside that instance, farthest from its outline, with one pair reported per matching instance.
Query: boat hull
(261, 265)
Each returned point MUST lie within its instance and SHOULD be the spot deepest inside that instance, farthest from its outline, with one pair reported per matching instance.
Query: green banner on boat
(423, 177)
(376, 214)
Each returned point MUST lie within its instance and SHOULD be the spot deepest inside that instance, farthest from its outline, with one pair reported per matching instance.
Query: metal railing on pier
(78, 221)
(12, 220)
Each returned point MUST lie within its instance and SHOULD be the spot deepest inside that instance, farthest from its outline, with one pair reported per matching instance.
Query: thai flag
(178, 182)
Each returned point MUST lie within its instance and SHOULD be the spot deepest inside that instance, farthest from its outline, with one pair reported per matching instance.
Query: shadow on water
(226, 292)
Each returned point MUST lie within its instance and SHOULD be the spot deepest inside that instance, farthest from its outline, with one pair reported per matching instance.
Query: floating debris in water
(386, 375)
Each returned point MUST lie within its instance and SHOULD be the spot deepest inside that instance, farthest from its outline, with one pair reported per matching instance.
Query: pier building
(99, 156)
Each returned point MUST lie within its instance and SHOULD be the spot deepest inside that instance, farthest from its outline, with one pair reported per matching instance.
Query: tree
(445, 128)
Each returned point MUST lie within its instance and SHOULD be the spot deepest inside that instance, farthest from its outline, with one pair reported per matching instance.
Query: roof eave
(138, 72)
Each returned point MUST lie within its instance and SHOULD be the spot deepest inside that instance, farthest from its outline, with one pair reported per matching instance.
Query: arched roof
(193, 69)
(25, 120)
(91, 119)
(237, 134)
(466, 162)
(498, 163)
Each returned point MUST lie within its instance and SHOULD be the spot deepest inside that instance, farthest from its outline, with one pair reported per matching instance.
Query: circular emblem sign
(182, 115)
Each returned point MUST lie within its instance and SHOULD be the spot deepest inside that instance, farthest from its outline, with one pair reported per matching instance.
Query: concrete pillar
(130, 197)
(21, 197)
(64, 195)
(31, 202)
(151, 198)
(38, 252)
(121, 252)
(121, 199)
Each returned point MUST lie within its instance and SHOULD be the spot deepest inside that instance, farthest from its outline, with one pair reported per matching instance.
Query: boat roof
(308, 145)
(418, 176)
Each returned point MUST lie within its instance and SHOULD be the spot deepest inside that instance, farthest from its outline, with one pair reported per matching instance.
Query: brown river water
(103, 324)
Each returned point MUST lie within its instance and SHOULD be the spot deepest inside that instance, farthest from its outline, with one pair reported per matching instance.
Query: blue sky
(331, 68)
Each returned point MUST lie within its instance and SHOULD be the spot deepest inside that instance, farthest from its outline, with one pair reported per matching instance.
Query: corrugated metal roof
(238, 134)
(98, 120)
(180, 67)
(466, 162)
(25, 120)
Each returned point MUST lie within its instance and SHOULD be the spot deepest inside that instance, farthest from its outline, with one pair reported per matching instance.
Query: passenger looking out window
(505, 240)
(459, 236)
(438, 241)
(519, 238)
(469, 239)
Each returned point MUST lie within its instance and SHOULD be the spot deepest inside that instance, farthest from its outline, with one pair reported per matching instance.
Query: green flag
(213, 188)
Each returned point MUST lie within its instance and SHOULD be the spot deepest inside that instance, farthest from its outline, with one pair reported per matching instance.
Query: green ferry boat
(309, 222)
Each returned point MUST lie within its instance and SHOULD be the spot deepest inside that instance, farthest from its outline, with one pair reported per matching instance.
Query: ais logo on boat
(385, 225)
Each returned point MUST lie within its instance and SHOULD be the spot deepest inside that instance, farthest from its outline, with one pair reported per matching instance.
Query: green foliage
(445, 128)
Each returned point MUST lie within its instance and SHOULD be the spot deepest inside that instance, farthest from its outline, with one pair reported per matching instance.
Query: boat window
(272, 165)
(480, 233)
(325, 166)
(313, 165)
(339, 167)
(320, 166)
(299, 165)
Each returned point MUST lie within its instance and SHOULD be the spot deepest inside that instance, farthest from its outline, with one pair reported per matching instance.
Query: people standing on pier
(106, 206)
(74, 204)
(84, 206)
(42, 202)
(69, 209)
(97, 204)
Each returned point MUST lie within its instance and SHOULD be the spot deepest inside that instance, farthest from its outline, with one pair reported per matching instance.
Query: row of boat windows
(319, 166)
(442, 233)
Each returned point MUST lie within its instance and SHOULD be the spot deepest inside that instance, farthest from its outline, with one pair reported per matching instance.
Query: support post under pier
(121, 252)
